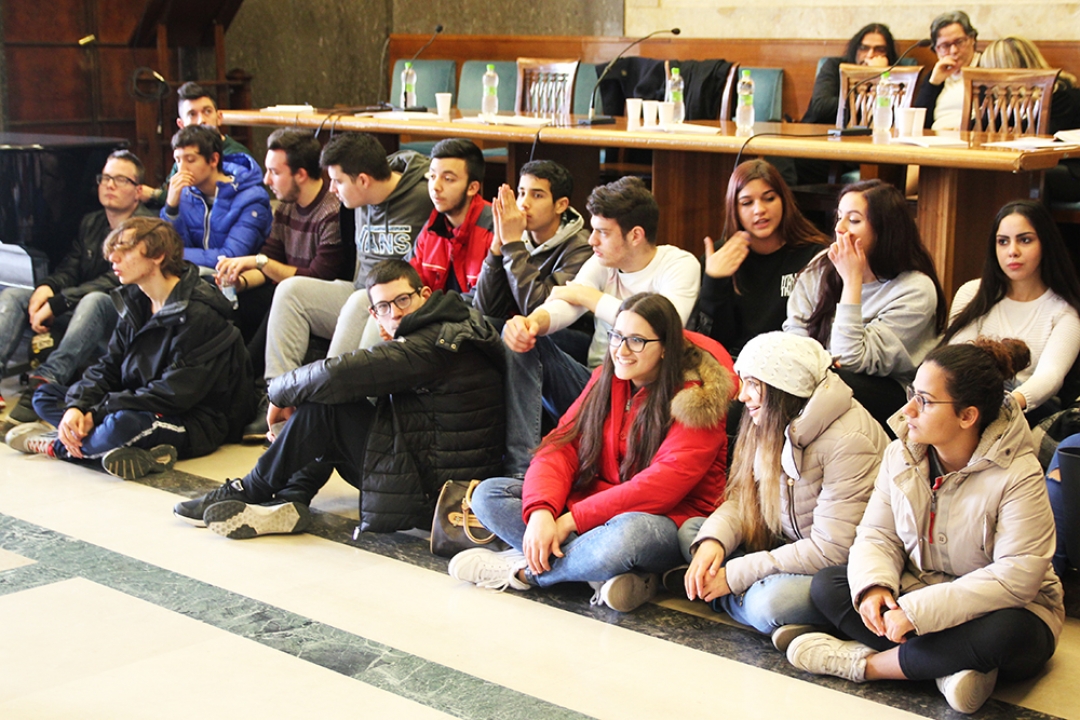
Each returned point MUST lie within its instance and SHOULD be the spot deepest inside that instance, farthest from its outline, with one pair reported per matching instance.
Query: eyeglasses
(402, 301)
(945, 46)
(117, 180)
(920, 400)
(634, 343)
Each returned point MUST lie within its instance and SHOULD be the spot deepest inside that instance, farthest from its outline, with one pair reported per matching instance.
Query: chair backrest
(432, 76)
(471, 83)
(545, 86)
(1008, 100)
(727, 100)
(858, 90)
(583, 87)
(768, 94)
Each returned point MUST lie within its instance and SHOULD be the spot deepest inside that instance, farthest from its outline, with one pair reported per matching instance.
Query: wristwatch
(260, 261)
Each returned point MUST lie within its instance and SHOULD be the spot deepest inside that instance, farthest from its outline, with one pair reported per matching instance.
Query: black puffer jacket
(439, 415)
(150, 364)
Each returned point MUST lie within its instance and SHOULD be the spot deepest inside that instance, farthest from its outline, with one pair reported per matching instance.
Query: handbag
(455, 527)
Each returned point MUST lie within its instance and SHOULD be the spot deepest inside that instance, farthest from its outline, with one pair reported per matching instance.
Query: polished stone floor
(112, 608)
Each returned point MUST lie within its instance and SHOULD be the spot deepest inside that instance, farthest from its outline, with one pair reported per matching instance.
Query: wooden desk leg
(956, 211)
(690, 187)
(583, 163)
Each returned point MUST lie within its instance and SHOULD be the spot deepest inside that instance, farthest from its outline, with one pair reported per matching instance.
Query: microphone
(438, 29)
(603, 119)
(861, 129)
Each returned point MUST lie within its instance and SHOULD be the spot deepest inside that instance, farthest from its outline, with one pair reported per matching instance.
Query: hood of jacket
(129, 300)
(704, 400)
(462, 323)
(572, 224)
(243, 169)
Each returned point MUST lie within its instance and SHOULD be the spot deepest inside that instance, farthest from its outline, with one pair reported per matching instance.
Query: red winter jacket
(687, 474)
(466, 246)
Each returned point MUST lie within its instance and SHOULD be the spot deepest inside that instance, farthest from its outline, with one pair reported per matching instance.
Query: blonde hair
(755, 476)
(1019, 52)
(159, 240)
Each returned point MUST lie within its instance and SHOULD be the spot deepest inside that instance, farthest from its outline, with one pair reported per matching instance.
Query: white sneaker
(627, 592)
(32, 438)
(487, 569)
(967, 690)
(783, 635)
(823, 654)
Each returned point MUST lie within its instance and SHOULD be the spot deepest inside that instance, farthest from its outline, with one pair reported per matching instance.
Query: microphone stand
(593, 119)
(862, 129)
(438, 29)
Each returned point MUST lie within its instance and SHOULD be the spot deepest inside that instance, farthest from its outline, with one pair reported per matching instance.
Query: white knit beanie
(792, 363)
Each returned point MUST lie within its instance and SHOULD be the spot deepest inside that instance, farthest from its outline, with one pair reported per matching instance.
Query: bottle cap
(408, 64)
(491, 67)
(674, 71)
(746, 72)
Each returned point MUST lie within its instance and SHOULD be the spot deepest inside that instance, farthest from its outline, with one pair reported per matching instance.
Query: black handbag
(455, 527)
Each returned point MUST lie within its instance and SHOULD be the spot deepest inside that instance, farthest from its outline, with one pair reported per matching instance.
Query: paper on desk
(516, 120)
(689, 129)
(288, 108)
(1030, 143)
(930, 141)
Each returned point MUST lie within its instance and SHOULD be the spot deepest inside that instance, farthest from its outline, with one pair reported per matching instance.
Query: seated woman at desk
(949, 578)
(1063, 180)
(873, 46)
(640, 451)
(873, 299)
(1028, 290)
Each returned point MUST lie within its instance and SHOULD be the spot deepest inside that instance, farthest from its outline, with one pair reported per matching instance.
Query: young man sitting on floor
(175, 368)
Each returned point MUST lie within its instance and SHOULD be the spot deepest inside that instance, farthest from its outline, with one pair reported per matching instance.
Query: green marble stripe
(59, 557)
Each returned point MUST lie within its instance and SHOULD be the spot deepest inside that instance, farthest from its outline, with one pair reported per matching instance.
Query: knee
(357, 306)
(688, 533)
(827, 584)
(636, 530)
(493, 492)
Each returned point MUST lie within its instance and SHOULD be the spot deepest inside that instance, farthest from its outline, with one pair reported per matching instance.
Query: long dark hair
(652, 422)
(896, 250)
(1055, 268)
(975, 373)
(794, 228)
(856, 40)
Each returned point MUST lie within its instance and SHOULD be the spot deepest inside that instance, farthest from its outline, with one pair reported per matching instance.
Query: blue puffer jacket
(235, 225)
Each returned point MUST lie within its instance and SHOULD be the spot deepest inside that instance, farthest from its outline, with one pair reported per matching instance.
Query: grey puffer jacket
(830, 458)
(988, 545)
(439, 413)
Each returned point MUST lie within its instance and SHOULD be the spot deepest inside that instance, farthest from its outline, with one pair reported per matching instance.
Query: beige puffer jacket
(830, 459)
(993, 532)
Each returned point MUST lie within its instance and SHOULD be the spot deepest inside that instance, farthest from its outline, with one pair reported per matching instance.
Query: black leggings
(1013, 640)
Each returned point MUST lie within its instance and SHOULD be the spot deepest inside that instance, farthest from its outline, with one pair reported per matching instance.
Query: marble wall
(1050, 20)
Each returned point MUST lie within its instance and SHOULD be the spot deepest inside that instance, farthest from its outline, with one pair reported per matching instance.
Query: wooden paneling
(798, 57)
(59, 21)
(47, 84)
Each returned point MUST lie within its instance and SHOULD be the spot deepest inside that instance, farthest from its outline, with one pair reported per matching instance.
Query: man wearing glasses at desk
(942, 95)
(77, 293)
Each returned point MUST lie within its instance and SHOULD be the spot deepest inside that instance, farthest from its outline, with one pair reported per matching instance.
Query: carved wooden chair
(858, 91)
(545, 86)
(1011, 100)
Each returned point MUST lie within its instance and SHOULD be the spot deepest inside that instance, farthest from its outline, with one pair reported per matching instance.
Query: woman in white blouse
(1028, 290)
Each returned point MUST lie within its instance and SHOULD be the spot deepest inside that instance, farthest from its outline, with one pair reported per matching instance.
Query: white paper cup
(650, 109)
(667, 114)
(442, 103)
(633, 114)
(909, 121)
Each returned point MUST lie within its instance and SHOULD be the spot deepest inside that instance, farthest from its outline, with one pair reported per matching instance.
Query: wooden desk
(960, 189)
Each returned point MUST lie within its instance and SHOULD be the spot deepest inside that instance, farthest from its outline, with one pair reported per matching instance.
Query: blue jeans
(1057, 503)
(545, 378)
(123, 428)
(629, 542)
(87, 336)
(773, 601)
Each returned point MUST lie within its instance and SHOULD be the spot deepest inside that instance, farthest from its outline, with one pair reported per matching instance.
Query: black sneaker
(23, 411)
(132, 463)
(240, 521)
(191, 511)
(674, 581)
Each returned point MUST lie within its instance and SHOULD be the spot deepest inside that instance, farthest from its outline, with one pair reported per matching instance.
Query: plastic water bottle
(675, 95)
(883, 105)
(408, 87)
(228, 290)
(489, 103)
(744, 111)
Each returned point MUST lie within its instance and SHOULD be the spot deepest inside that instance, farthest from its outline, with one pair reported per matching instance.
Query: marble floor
(112, 608)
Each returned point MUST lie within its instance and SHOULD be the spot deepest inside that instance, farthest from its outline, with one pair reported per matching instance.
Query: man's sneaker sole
(240, 521)
(132, 463)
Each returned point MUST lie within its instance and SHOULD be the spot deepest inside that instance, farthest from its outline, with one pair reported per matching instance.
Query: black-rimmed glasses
(634, 343)
(117, 180)
(402, 301)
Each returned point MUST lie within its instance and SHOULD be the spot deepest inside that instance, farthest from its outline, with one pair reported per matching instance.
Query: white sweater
(673, 273)
(1049, 326)
(888, 334)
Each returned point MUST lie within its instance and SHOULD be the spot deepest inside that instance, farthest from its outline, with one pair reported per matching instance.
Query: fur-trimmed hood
(709, 389)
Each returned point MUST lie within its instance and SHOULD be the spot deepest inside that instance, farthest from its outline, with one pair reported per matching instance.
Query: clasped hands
(706, 578)
(883, 616)
(544, 536)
